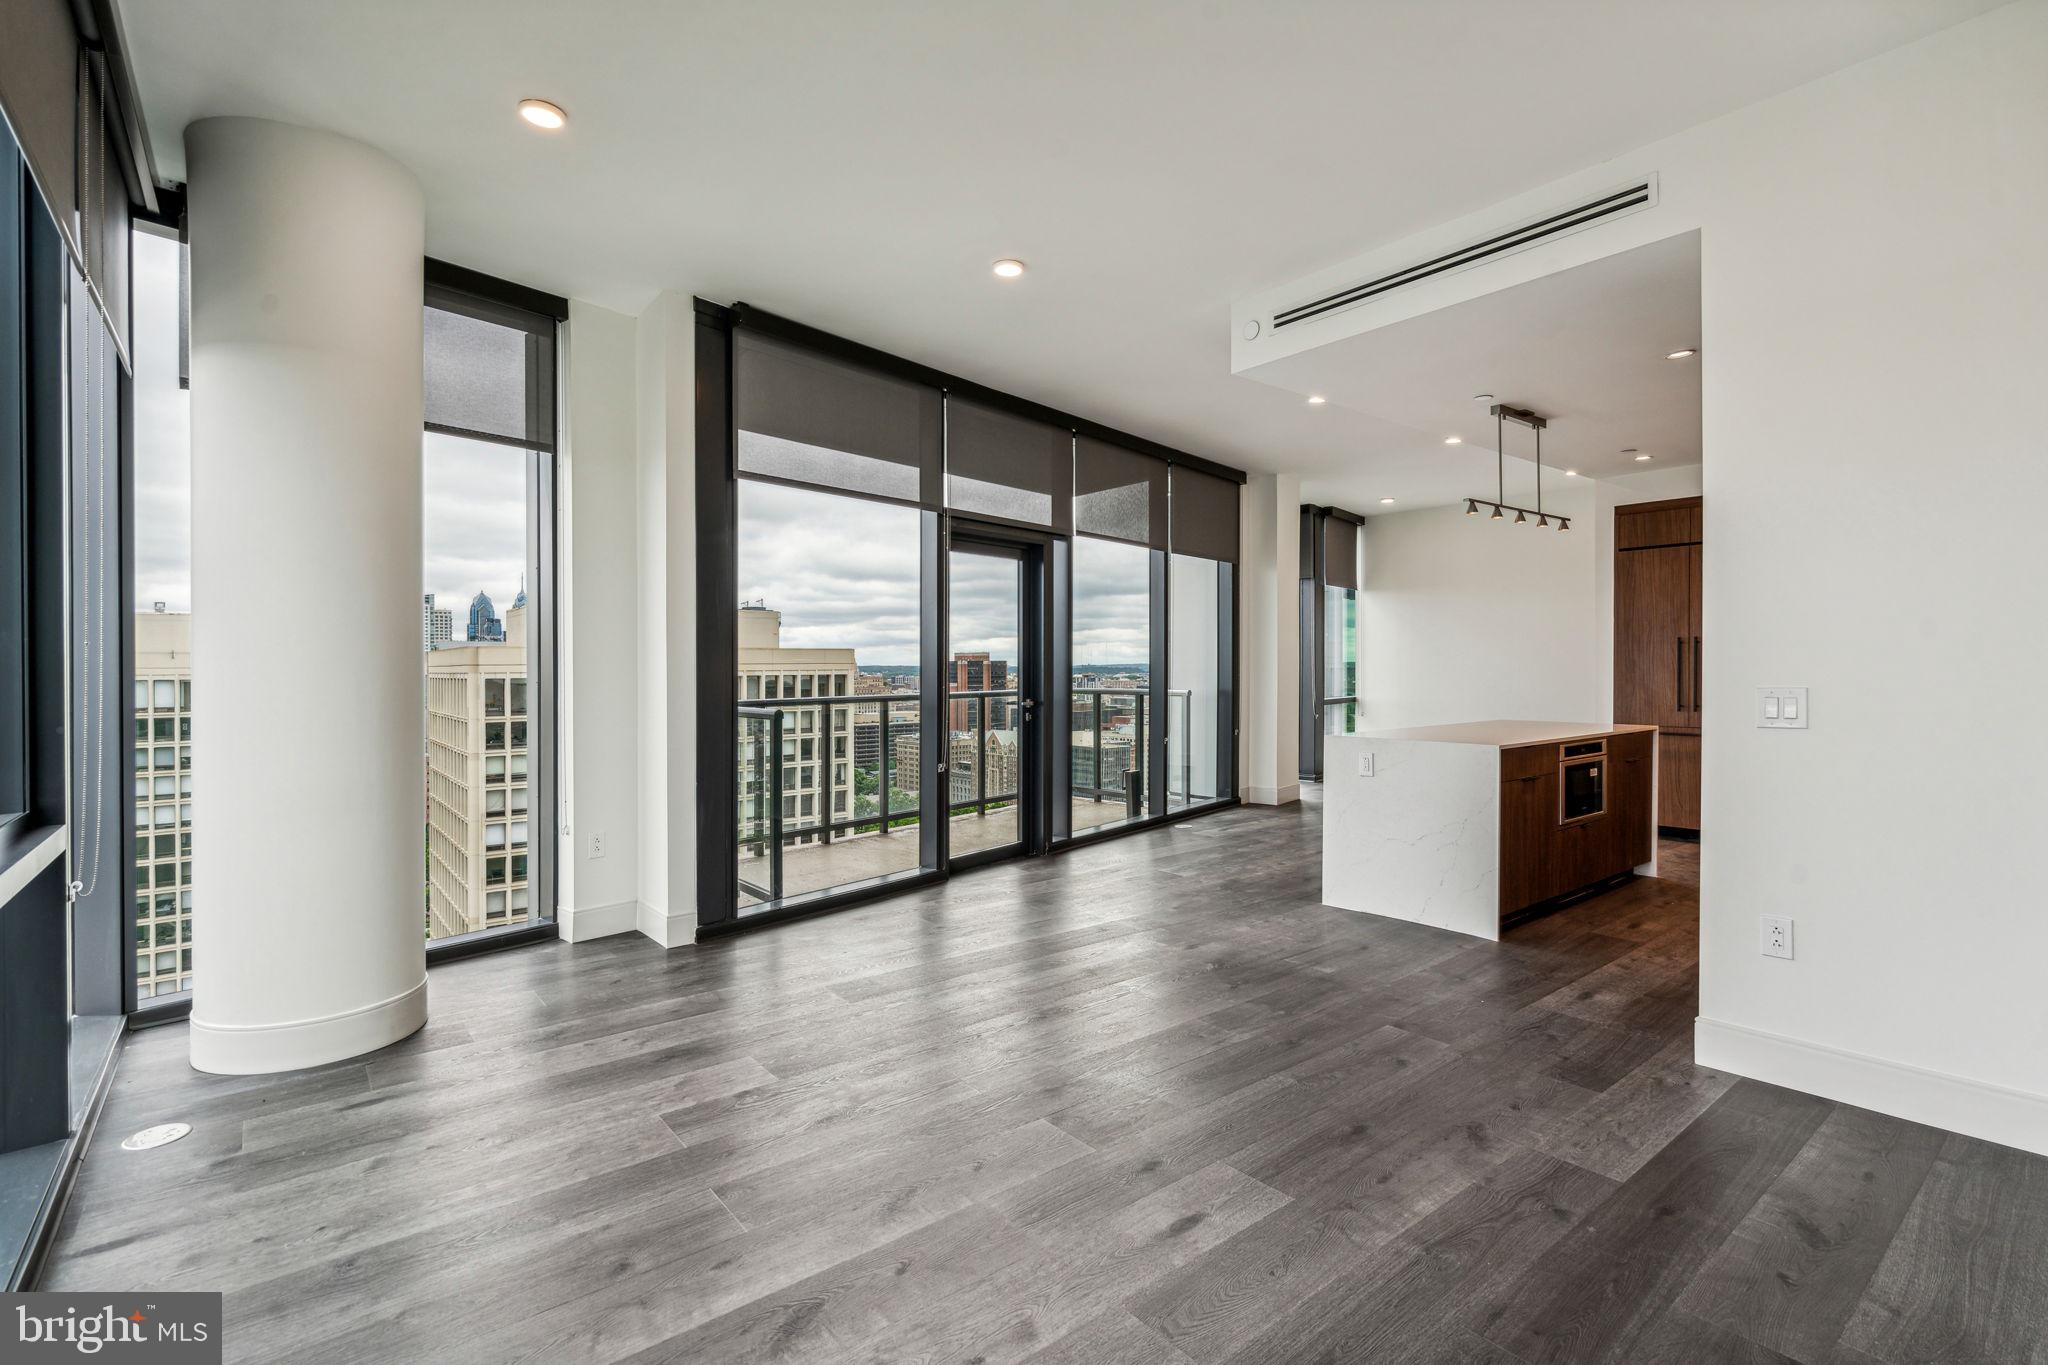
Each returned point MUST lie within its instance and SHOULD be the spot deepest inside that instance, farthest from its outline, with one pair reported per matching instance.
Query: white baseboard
(597, 921)
(1996, 1113)
(1273, 796)
(263, 1049)
(669, 930)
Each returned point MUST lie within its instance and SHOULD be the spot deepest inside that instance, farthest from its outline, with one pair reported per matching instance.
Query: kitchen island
(1467, 827)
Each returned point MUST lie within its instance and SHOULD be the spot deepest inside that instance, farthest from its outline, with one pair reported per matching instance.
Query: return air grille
(1637, 194)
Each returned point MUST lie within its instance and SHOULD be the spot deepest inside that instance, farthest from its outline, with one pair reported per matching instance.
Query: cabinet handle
(1680, 671)
(1695, 673)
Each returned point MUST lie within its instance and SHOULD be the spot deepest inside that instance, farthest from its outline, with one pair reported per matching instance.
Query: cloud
(845, 574)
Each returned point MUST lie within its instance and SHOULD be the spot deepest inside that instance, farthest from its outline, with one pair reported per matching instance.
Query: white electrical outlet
(597, 843)
(1777, 936)
(1365, 764)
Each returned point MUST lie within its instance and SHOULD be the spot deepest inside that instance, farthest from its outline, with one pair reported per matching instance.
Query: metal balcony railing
(764, 730)
(979, 704)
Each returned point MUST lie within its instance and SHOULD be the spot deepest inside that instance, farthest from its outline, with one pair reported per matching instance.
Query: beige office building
(163, 803)
(817, 782)
(478, 855)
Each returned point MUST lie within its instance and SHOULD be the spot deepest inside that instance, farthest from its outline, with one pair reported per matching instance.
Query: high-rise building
(483, 619)
(817, 775)
(478, 855)
(973, 673)
(1102, 770)
(163, 803)
(437, 624)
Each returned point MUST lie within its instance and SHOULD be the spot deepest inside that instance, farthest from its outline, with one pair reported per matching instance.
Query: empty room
(1227, 685)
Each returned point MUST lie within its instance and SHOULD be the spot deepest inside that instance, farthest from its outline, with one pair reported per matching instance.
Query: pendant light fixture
(1502, 415)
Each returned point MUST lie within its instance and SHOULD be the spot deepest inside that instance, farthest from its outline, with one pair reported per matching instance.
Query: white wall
(1874, 300)
(1464, 618)
(1875, 296)
(600, 633)
(665, 446)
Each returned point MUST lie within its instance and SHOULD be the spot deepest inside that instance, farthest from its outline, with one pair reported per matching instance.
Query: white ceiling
(1586, 348)
(858, 166)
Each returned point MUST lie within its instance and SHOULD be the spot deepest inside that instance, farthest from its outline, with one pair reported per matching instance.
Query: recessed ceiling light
(1686, 354)
(1386, 502)
(1642, 457)
(1482, 398)
(1008, 268)
(1316, 400)
(541, 114)
(1571, 473)
(1454, 440)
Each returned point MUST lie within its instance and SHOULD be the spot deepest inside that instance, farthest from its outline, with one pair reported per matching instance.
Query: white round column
(308, 837)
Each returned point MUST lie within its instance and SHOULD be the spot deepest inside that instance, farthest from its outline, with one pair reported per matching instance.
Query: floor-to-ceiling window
(1200, 635)
(1113, 718)
(828, 684)
(1117, 739)
(950, 637)
(1330, 705)
(166, 770)
(486, 632)
(834, 538)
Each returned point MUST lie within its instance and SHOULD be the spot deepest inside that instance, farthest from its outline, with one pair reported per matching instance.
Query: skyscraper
(974, 673)
(477, 817)
(437, 624)
(163, 803)
(483, 619)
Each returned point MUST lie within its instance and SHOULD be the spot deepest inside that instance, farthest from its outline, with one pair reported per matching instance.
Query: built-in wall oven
(1581, 781)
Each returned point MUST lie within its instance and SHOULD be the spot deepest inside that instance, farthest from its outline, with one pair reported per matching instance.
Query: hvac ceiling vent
(1617, 203)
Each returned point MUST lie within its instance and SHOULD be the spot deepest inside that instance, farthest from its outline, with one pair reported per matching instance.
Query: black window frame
(717, 476)
(540, 315)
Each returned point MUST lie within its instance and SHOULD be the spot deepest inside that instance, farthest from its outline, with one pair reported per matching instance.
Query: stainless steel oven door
(1582, 789)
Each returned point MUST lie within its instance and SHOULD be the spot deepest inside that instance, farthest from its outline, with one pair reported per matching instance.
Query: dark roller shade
(1340, 552)
(816, 420)
(999, 465)
(489, 371)
(1204, 515)
(1118, 493)
(39, 94)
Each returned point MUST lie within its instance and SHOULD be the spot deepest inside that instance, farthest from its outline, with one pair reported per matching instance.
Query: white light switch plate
(1790, 708)
(1365, 764)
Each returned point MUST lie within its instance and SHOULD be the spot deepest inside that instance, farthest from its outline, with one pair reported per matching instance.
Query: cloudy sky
(475, 510)
(844, 574)
(842, 571)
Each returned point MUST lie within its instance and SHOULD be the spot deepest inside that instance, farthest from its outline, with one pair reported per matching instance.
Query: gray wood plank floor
(1147, 1102)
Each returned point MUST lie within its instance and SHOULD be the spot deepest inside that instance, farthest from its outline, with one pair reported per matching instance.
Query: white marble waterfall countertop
(1508, 734)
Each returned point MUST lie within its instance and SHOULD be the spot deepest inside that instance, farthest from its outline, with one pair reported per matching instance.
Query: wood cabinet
(1678, 794)
(1541, 856)
(1659, 641)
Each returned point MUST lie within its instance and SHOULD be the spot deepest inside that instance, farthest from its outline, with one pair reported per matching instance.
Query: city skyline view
(845, 574)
